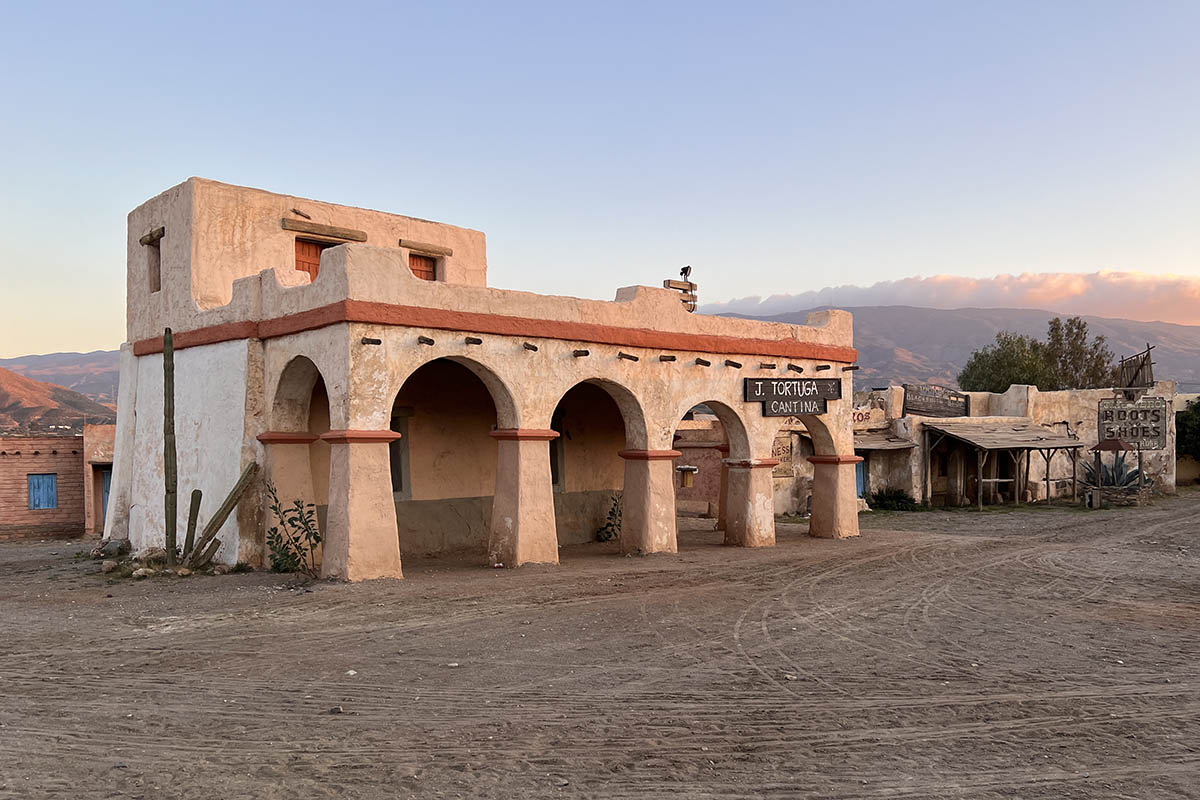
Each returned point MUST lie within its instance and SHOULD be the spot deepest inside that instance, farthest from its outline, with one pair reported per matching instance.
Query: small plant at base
(611, 529)
(893, 500)
(293, 543)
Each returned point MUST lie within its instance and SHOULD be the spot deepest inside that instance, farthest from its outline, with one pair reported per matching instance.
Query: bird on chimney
(686, 272)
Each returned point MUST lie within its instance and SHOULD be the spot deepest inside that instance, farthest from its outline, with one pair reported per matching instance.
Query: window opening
(43, 491)
(424, 267)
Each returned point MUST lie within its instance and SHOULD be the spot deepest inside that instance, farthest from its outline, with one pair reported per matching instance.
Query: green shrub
(611, 529)
(293, 543)
(893, 500)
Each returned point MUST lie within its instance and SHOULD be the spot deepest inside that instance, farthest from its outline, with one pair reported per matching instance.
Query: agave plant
(1117, 474)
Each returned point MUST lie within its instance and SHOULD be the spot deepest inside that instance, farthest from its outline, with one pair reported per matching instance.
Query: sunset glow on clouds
(1123, 295)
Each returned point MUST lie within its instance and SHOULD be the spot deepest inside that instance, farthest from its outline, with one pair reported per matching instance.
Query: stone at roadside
(154, 555)
(110, 548)
(183, 572)
(108, 565)
(144, 572)
(221, 569)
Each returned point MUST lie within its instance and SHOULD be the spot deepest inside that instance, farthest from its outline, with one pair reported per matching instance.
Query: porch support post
(835, 497)
(723, 493)
(980, 457)
(750, 521)
(523, 529)
(361, 541)
(648, 516)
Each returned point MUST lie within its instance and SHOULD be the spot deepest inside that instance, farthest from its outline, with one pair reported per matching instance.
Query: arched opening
(443, 466)
(707, 437)
(586, 469)
(297, 456)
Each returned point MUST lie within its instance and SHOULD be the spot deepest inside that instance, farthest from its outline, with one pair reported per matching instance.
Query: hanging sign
(931, 400)
(785, 397)
(1142, 423)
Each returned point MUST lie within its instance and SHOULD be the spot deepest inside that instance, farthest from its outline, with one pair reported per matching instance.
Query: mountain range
(27, 405)
(896, 344)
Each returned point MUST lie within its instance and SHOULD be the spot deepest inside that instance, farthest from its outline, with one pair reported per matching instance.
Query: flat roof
(881, 440)
(1006, 435)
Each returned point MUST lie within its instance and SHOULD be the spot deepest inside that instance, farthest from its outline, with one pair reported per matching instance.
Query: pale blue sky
(775, 147)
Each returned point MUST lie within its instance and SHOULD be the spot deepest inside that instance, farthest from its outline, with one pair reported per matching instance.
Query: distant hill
(907, 344)
(29, 406)
(92, 374)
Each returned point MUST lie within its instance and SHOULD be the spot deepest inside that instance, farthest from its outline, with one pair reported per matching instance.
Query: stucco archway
(596, 420)
(443, 468)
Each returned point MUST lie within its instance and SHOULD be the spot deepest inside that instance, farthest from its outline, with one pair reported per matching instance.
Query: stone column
(361, 539)
(648, 502)
(834, 497)
(750, 520)
(523, 528)
(723, 496)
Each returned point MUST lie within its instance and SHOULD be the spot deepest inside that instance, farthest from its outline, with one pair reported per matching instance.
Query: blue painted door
(860, 478)
(105, 482)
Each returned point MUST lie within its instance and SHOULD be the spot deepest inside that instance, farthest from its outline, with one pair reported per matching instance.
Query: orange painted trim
(444, 319)
(750, 463)
(524, 434)
(649, 455)
(356, 437)
(834, 459)
(214, 334)
(287, 437)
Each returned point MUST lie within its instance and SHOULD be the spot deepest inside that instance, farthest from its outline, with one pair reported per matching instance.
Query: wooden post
(980, 457)
(1048, 458)
(1074, 475)
(928, 491)
(1016, 479)
(170, 467)
(1141, 474)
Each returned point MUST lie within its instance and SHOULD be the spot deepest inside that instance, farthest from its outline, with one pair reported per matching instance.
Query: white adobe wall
(210, 407)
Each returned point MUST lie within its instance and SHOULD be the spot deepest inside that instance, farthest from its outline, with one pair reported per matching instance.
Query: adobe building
(361, 359)
(938, 451)
(54, 484)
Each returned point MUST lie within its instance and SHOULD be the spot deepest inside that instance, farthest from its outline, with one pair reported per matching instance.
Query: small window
(424, 267)
(154, 267)
(943, 466)
(308, 256)
(43, 491)
(153, 257)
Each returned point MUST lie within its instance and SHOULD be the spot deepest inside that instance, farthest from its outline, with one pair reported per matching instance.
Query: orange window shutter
(424, 267)
(308, 257)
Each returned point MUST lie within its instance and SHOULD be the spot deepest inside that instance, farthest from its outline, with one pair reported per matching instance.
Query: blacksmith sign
(931, 400)
(785, 397)
(1142, 423)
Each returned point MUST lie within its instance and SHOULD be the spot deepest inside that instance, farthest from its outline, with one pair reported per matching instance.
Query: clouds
(1124, 295)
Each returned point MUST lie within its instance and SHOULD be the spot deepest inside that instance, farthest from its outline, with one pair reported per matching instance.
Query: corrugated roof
(1006, 435)
(880, 440)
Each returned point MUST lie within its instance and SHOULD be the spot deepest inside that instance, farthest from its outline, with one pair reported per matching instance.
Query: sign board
(781, 449)
(865, 418)
(931, 400)
(786, 397)
(1142, 423)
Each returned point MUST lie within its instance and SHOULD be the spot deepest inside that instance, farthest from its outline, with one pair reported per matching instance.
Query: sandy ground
(1036, 654)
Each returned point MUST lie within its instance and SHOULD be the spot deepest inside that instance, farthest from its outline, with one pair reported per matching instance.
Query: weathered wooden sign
(781, 450)
(931, 400)
(785, 397)
(1142, 423)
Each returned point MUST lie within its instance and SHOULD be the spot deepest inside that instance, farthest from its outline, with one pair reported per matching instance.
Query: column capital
(524, 434)
(648, 455)
(287, 437)
(750, 463)
(359, 437)
(834, 459)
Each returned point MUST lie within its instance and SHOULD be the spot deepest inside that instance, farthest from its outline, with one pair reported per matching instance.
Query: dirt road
(1037, 654)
